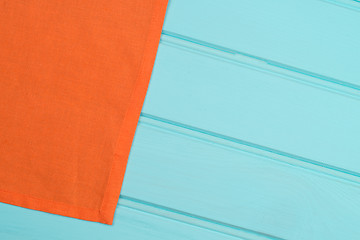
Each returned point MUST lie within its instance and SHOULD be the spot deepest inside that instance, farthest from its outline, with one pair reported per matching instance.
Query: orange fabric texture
(73, 78)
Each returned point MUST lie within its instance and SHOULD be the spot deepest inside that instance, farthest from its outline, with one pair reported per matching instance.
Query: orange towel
(73, 78)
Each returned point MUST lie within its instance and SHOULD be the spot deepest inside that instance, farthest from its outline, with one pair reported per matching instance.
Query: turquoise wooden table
(250, 130)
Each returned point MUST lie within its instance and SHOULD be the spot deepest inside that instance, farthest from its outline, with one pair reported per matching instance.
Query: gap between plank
(334, 172)
(261, 64)
(348, 4)
(195, 220)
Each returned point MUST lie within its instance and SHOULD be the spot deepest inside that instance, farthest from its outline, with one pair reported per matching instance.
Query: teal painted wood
(259, 108)
(238, 186)
(310, 36)
(249, 130)
(17, 223)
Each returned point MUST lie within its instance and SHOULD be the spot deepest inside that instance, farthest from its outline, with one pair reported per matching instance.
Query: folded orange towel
(73, 78)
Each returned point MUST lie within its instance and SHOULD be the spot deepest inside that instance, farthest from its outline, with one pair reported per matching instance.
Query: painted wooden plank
(217, 179)
(273, 112)
(313, 37)
(19, 223)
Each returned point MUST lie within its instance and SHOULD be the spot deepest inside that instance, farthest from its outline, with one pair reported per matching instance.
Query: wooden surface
(250, 130)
